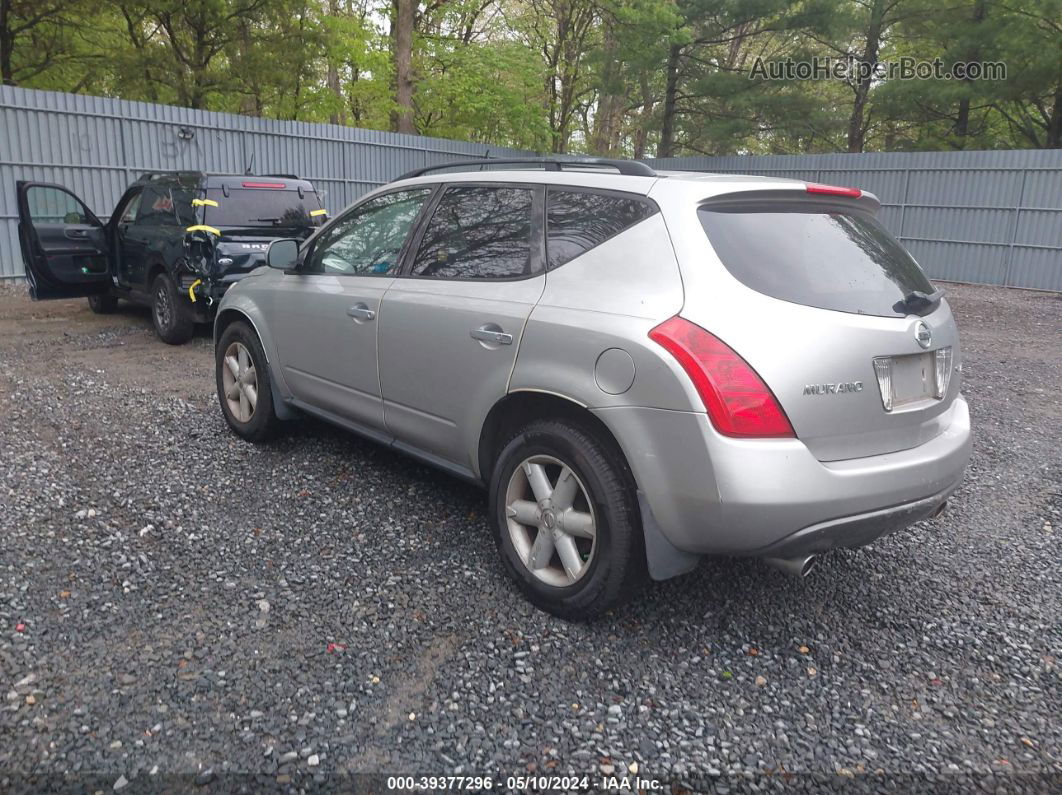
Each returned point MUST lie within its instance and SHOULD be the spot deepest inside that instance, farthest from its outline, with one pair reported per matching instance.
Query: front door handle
(487, 334)
(361, 312)
(76, 234)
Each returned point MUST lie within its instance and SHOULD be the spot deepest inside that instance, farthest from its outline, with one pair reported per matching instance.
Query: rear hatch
(251, 213)
(837, 318)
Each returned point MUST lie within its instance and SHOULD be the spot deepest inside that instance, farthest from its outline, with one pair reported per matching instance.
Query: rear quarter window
(577, 221)
(839, 259)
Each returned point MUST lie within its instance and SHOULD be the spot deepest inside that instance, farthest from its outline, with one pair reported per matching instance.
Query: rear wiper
(289, 221)
(916, 300)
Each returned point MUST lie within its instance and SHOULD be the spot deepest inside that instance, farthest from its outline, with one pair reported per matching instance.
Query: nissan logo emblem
(923, 334)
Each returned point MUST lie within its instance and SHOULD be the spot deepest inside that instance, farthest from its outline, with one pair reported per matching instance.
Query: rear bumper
(858, 530)
(712, 494)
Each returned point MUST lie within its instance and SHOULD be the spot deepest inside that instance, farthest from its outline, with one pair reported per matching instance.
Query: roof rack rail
(630, 168)
(276, 176)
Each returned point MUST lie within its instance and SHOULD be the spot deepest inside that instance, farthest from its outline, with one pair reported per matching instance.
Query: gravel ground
(178, 607)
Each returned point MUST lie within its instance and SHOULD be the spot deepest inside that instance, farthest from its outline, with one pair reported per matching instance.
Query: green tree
(562, 33)
(616, 77)
(36, 37)
(1031, 99)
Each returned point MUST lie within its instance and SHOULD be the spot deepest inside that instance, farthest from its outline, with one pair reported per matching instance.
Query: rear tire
(173, 322)
(600, 563)
(102, 304)
(244, 385)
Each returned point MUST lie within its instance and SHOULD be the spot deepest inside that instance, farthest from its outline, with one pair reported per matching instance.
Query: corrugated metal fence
(988, 217)
(984, 217)
(97, 147)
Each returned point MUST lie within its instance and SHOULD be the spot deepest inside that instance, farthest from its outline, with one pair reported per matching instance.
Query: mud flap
(663, 558)
(283, 411)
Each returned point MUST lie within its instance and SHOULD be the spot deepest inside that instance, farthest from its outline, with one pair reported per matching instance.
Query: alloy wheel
(163, 310)
(551, 520)
(240, 381)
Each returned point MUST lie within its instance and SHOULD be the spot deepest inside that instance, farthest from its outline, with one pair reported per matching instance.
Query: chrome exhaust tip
(800, 566)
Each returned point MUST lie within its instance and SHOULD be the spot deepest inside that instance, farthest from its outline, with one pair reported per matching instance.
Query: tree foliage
(612, 77)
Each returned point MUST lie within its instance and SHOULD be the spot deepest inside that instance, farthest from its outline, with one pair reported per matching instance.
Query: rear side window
(478, 233)
(577, 221)
(830, 259)
(161, 206)
(269, 208)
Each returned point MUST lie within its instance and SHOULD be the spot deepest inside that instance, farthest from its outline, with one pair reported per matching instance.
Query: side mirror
(283, 253)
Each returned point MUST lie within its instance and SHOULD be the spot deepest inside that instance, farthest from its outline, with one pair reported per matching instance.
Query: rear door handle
(76, 234)
(361, 312)
(484, 334)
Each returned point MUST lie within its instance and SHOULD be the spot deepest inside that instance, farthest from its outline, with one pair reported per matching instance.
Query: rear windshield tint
(816, 256)
(263, 207)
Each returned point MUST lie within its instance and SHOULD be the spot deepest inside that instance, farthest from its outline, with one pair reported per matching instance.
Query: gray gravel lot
(179, 607)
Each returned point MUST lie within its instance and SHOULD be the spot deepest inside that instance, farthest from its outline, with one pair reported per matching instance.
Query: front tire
(566, 519)
(173, 322)
(243, 383)
(102, 304)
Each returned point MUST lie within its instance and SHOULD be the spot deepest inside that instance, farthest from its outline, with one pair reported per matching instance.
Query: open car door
(64, 246)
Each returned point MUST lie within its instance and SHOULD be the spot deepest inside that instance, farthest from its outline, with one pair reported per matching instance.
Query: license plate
(913, 378)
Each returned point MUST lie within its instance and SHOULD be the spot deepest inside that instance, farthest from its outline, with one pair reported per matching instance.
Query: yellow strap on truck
(204, 203)
(204, 228)
(191, 289)
(318, 212)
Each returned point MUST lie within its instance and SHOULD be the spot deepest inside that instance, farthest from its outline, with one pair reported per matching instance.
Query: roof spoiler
(793, 191)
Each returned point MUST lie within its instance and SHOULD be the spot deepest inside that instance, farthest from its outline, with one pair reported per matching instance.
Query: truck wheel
(243, 382)
(173, 321)
(565, 519)
(102, 304)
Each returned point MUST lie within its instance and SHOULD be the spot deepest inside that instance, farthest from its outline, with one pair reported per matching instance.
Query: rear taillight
(834, 190)
(737, 400)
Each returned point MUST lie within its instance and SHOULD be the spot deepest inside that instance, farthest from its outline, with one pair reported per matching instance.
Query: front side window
(577, 221)
(49, 205)
(368, 240)
(130, 210)
(478, 233)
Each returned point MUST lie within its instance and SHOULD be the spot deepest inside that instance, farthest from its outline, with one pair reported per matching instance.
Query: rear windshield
(816, 256)
(261, 207)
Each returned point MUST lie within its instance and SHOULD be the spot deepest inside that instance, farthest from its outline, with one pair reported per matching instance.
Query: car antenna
(250, 166)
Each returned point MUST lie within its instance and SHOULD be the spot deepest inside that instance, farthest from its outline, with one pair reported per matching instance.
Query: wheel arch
(229, 315)
(520, 407)
(156, 268)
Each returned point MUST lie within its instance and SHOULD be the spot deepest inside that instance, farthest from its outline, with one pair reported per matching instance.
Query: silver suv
(642, 368)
